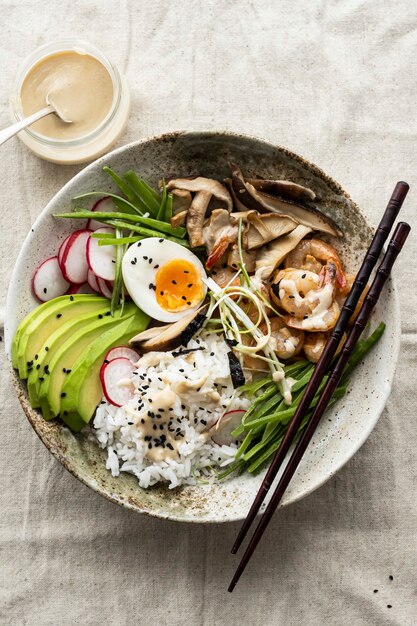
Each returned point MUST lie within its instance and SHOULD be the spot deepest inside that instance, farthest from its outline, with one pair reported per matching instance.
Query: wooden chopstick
(397, 241)
(368, 264)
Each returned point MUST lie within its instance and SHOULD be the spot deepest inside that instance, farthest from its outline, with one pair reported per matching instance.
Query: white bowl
(344, 428)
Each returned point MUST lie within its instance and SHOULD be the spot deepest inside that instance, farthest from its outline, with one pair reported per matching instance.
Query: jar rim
(43, 52)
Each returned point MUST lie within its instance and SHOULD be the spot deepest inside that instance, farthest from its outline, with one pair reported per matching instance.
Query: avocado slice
(35, 329)
(54, 343)
(54, 375)
(82, 387)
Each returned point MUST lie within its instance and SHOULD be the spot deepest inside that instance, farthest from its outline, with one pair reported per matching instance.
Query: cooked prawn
(285, 342)
(308, 299)
(312, 255)
(314, 345)
(342, 294)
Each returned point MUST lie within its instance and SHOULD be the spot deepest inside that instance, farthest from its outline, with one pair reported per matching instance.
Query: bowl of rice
(109, 456)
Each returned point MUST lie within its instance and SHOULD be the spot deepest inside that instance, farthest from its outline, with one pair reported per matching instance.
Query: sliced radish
(92, 281)
(62, 249)
(84, 288)
(48, 281)
(122, 352)
(101, 259)
(74, 258)
(105, 287)
(105, 205)
(111, 375)
(221, 432)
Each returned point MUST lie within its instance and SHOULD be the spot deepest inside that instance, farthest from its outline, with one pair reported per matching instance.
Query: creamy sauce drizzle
(80, 87)
(156, 431)
(323, 297)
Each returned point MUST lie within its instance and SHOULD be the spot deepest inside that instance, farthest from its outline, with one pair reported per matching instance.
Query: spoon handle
(12, 130)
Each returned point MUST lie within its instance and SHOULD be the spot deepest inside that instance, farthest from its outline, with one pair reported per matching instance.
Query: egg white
(138, 274)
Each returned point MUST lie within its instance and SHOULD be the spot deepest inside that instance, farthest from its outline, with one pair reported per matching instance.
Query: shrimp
(342, 294)
(308, 299)
(285, 342)
(312, 254)
(314, 345)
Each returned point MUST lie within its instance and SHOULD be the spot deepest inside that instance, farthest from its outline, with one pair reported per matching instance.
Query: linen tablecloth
(337, 83)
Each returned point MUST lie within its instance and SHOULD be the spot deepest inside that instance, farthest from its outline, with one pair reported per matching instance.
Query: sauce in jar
(78, 84)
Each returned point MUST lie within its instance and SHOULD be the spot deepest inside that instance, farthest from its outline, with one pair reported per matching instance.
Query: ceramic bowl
(344, 428)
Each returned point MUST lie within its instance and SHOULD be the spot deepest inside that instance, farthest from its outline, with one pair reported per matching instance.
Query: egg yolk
(178, 286)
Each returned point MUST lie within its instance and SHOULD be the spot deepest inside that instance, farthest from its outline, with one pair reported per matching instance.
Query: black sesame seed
(170, 446)
(183, 297)
(391, 577)
(154, 426)
(375, 590)
(45, 290)
(161, 293)
(41, 378)
(174, 282)
(186, 272)
(161, 241)
(211, 353)
(389, 606)
(149, 446)
(291, 297)
(155, 267)
(58, 315)
(189, 285)
(108, 313)
(139, 244)
(100, 316)
(131, 423)
(142, 421)
(38, 367)
(305, 317)
(304, 275)
(189, 303)
(71, 298)
(46, 348)
(63, 394)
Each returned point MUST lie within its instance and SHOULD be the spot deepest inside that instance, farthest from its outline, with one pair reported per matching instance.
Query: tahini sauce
(79, 85)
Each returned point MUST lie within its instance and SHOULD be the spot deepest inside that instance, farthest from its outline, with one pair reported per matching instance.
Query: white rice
(193, 413)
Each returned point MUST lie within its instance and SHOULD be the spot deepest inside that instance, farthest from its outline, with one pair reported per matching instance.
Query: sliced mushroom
(170, 336)
(283, 189)
(204, 189)
(306, 215)
(218, 233)
(243, 199)
(249, 259)
(179, 219)
(273, 254)
(264, 228)
(181, 200)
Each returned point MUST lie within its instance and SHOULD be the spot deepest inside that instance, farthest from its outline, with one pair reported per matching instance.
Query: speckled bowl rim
(31, 414)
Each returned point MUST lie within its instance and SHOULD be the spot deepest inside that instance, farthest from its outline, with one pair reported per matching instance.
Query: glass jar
(91, 145)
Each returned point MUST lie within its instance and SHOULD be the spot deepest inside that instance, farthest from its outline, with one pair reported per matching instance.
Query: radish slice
(101, 259)
(92, 281)
(105, 287)
(48, 282)
(62, 249)
(111, 374)
(221, 432)
(105, 205)
(122, 352)
(74, 258)
(84, 288)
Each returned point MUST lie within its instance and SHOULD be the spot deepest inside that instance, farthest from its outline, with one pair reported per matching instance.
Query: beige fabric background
(336, 82)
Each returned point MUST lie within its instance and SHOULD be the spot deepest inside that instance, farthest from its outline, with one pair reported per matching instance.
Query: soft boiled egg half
(163, 278)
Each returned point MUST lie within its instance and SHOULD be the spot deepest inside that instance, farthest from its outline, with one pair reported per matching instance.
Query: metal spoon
(12, 130)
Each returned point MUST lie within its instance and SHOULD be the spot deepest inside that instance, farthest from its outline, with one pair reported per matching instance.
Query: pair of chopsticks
(395, 245)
